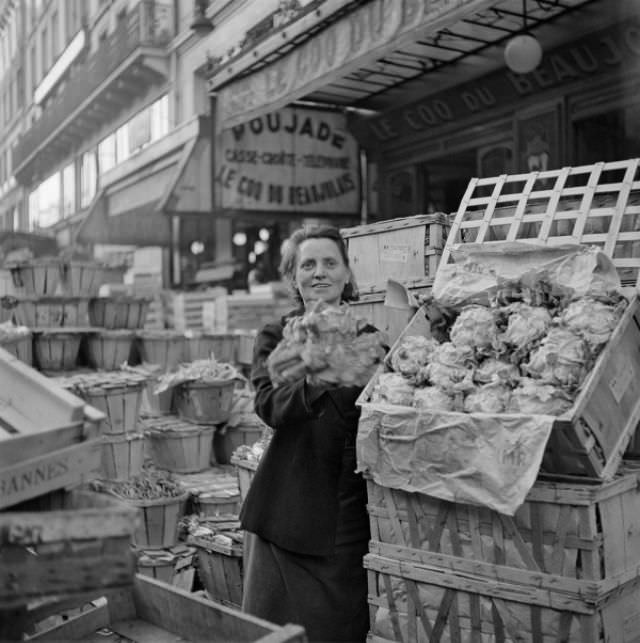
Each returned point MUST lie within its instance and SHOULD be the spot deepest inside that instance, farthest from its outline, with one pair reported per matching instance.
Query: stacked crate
(406, 250)
(564, 567)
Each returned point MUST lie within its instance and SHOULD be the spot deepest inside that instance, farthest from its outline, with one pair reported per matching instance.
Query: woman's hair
(290, 257)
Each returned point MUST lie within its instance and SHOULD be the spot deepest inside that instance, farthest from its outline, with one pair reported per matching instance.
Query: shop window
(88, 178)
(69, 190)
(160, 118)
(612, 136)
(139, 130)
(401, 195)
(122, 143)
(107, 154)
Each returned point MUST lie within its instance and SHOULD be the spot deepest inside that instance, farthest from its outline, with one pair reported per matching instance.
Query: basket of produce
(37, 276)
(118, 394)
(534, 370)
(219, 557)
(328, 345)
(161, 502)
(162, 347)
(18, 341)
(214, 491)
(203, 390)
(219, 346)
(246, 459)
(81, 278)
(119, 312)
(161, 563)
(51, 311)
(122, 455)
(178, 446)
(109, 349)
(56, 349)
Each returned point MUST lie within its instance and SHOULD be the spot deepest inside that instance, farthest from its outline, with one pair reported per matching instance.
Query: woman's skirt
(327, 595)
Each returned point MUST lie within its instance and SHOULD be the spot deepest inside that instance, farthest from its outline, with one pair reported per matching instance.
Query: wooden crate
(201, 345)
(592, 204)
(248, 312)
(246, 470)
(64, 543)
(46, 434)
(406, 249)
(591, 438)
(154, 611)
(411, 601)
(570, 530)
(220, 570)
(184, 309)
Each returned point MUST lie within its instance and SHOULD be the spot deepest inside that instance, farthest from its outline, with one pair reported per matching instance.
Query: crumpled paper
(476, 458)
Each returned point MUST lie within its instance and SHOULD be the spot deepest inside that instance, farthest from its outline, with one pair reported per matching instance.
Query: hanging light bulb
(263, 233)
(523, 52)
(239, 238)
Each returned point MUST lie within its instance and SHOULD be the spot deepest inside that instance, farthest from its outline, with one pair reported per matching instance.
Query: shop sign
(291, 160)
(598, 53)
(368, 30)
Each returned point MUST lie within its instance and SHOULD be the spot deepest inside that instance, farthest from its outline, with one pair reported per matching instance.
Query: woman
(305, 513)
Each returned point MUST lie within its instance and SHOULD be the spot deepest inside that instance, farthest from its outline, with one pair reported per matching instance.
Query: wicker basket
(37, 276)
(162, 347)
(81, 278)
(122, 456)
(203, 345)
(109, 349)
(219, 503)
(157, 404)
(56, 349)
(220, 570)
(51, 311)
(159, 526)
(119, 312)
(21, 346)
(229, 438)
(205, 402)
(157, 563)
(183, 449)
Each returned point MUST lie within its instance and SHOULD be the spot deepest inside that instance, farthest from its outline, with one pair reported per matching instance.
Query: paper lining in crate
(594, 204)
(482, 455)
(119, 312)
(51, 311)
(65, 543)
(178, 446)
(405, 249)
(162, 347)
(117, 394)
(109, 349)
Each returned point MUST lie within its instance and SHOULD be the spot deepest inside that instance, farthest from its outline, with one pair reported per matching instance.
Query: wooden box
(45, 434)
(64, 543)
(456, 600)
(154, 611)
(220, 570)
(570, 530)
(406, 249)
(589, 439)
(594, 204)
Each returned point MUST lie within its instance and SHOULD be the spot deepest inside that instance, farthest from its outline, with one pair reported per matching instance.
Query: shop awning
(135, 209)
(379, 53)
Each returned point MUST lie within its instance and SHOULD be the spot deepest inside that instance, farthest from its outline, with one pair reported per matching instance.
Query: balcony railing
(150, 24)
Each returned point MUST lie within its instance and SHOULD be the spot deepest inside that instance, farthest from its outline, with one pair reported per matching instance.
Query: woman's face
(321, 273)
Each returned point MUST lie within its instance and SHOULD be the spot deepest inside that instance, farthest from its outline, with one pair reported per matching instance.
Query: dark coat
(293, 499)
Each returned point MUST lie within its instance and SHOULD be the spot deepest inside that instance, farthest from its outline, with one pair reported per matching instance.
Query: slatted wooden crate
(154, 611)
(590, 438)
(46, 434)
(64, 543)
(592, 204)
(406, 249)
(248, 312)
(246, 470)
(184, 309)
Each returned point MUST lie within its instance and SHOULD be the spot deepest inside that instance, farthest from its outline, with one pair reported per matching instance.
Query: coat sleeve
(287, 404)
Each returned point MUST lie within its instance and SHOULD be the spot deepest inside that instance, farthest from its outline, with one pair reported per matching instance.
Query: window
(68, 190)
(122, 143)
(107, 154)
(160, 118)
(49, 201)
(88, 178)
(54, 35)
(44, 44)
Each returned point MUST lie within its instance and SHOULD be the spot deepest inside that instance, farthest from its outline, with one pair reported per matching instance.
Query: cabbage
(412, 355)
(475, 326)
(451, 367)
(493, 369)
(489, 398)
(393, 389)
(560, 359)
(525, 325)
(533, 397)
(592, 320)
(433, 399)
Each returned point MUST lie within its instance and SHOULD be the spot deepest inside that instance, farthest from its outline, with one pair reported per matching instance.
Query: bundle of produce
(149, 485)
(254, 452)
(202, 370)
(327, 346)
(9, 332)
(221, 530)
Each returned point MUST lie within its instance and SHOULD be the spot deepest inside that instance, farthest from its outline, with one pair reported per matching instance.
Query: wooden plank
(79, 627)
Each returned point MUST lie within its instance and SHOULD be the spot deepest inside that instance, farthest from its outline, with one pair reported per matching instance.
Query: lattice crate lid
(406, 249)
(594, 204)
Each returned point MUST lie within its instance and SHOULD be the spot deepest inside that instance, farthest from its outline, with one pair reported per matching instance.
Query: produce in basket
(201, 370)
(149, 485)
(324, 345)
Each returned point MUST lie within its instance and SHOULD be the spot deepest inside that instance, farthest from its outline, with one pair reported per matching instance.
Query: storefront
(445, 105)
